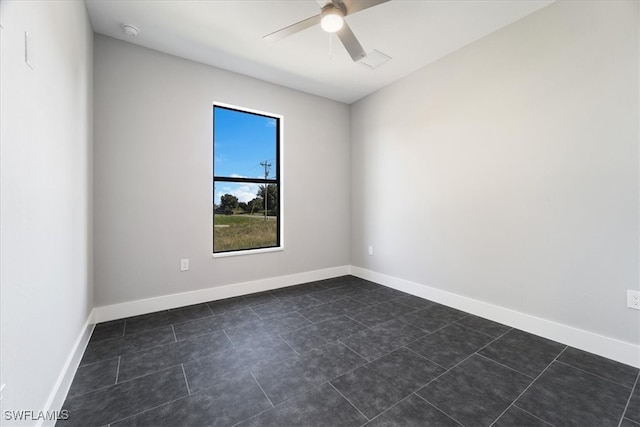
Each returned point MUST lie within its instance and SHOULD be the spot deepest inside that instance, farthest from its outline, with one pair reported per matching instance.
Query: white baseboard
(61, 388)
(610, 348)
(165, 302)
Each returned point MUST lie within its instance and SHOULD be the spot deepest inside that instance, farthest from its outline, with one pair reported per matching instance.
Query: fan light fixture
(332, 19)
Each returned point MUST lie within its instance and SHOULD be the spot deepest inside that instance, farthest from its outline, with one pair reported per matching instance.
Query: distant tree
(272, 197)
(255, 205)
(244, 206)
(228, 202)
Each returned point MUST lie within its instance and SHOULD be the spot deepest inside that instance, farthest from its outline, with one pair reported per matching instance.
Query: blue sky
(242, 142)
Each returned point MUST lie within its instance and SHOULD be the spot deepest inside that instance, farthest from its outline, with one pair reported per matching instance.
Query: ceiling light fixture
(332, 18)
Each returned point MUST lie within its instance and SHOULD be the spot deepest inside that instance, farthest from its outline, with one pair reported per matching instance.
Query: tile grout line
(533, 415)
(439, 409)
(349, 348)
(206, 304)
(425, 358)
(275, 406)
(262, 390)
(348, 401)
(184, 374)
(390, 407)
(477, 330)
(455, 366)
(174, 333)
(287, 343)
(230, 340)
(508, 367)
(528, 387)
(595, 375)
(629, 399)
(147, 410)
(304, 317)
(118, 369)
(255, 312)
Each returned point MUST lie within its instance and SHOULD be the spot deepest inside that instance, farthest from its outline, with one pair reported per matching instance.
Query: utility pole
(266, 165)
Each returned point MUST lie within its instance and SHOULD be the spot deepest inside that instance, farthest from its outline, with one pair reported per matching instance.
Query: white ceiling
(228, 34)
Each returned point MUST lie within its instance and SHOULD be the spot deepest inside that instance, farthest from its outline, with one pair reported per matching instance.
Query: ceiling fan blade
(354, 6)
(351, 43)
(292, 29)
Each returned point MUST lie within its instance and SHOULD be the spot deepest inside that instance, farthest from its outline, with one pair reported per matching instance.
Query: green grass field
(235, 232)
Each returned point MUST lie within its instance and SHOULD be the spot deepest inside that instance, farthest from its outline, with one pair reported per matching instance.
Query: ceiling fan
(331, 19)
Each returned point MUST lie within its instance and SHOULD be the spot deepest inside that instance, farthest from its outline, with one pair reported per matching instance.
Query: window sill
(247, 252)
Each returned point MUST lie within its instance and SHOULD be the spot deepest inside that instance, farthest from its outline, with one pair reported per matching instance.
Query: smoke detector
(130, 30)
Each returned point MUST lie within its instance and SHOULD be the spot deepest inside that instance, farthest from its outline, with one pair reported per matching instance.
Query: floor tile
(297, 290)
(119, 401)
(485, 326)
(476, 391)
(106, 330)
(285, 306)
(191, 312)
(372, 316)
(240, 303)
(524, 352)
(322, 406)
(347, 280)
(406, 369)
(433, 317)
(326, 311)
(377, 296)
(564, 395)
(147, 321)
(94, 376)
(319, 334)
(394, 307)
(254, 330)
(412, 412)
(414, 301)
(143, 362)
(614, 371)
(517, 417)
(375, 387)
(281, 381)
(208, 371)
(107, 349)
(335, 294)
(166, 317)
(626, 422)
(367, 391)
(217, 322)
(384, 350)
(450, 345)
(381, 339)
(222, 405)
(633, 410)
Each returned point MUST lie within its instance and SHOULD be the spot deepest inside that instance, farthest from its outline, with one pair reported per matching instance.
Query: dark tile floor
(340, 352)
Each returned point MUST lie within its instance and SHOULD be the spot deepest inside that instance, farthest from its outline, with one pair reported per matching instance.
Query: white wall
(45, 200)
(153, 176)
(508, 172)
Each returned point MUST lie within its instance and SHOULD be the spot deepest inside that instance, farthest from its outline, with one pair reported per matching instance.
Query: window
(246, 180)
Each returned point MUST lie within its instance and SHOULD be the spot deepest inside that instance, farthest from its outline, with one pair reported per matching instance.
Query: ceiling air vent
(374, 59)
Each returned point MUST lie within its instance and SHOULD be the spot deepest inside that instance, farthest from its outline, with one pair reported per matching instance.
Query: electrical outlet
(633, 299)
(370, 250)
(184, 264)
